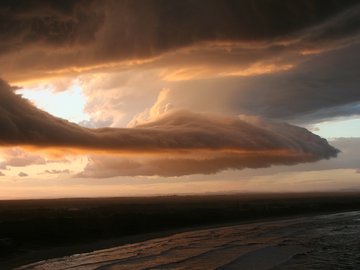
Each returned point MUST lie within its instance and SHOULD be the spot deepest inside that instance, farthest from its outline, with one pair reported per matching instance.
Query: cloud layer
(157, 26)
(225, 141)
(261, 54)
(41, 37)
(15, 157)
(246, 143)
(180, 165)
(238, 57)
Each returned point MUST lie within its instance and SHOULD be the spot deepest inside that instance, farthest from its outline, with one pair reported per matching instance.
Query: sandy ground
(318, 242)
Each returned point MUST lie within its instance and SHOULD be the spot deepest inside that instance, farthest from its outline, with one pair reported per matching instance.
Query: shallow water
(320, 242)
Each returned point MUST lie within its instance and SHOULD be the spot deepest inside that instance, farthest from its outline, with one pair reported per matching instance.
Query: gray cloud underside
(325, 86)
(347, 159)
(51, 35)
(320, 88)
(144, 28)
(106, 167)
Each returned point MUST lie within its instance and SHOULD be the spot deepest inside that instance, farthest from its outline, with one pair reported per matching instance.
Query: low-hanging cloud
(16, 157)
(110, 166)
(54, 171)
(256, 144)
(182, 142)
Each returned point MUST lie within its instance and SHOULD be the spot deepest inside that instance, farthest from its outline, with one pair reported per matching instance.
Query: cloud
(83, 35)
(345, 25)
(251, 142)
(120, 22)
(24, 124)
(16, 157)
(114, 98)
(347, 159)
(109, 166)
(322, 87)
(22, 174)
(296, 144)
(255, 144)
(67, 171)
(47, 23)
(329, 113)
(260, 67)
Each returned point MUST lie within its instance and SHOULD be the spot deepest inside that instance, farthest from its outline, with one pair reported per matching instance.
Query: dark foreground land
(33, 230)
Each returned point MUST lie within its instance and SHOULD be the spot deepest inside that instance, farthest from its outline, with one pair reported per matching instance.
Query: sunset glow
(113, 98)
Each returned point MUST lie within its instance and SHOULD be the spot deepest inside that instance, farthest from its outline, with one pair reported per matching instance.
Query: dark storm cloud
(323, 87)
(238, 142)
(328, 113)
(21, 123)
(54, 35)
(40, 37)
(49, 23)
(344, 25)
(157, 26)
(160, 25)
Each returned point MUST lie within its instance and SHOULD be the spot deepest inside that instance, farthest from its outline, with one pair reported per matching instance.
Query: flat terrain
(33, 230)
(318, 242)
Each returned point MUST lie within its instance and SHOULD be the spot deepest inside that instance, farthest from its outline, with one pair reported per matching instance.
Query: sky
(141, 98)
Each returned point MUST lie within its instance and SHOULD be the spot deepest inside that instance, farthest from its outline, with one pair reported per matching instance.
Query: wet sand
(319, 242)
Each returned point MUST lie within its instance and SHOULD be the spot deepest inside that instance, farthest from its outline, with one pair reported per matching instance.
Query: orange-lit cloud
(248, 140)
(15, 157)
(105, 48)
(185, 78)
(23, 124)
(174, 131)
(210, 57)
(187, 164)
(45, 39)
(192, 73)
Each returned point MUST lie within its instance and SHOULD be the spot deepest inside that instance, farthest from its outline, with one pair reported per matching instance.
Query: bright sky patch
(67, 104)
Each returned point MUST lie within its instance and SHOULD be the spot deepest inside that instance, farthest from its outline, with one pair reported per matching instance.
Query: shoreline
(46, 253)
